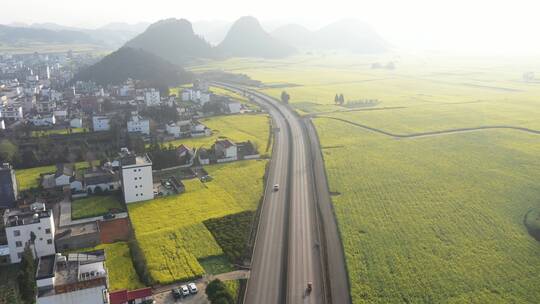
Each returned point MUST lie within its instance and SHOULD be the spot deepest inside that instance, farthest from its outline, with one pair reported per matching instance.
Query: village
(147, 160)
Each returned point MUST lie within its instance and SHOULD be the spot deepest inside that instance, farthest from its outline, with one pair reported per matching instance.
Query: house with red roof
(130, 296)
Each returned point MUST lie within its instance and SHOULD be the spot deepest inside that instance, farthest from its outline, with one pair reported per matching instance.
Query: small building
(226, 150)
(90, 104)
(136, 176)
(130, 296)
(97, 180)
(8, 186)
(22, 223)
(60, 114)
(234, 107)
(101, 123)
(75, 123)
(179, 129)
(203, 156)
(200, 130)
(76, 278)
(186, 94)
(64, 174)
(152, 98)
(138, 125)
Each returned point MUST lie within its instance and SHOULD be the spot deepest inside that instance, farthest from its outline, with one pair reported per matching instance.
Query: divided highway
(290, 248)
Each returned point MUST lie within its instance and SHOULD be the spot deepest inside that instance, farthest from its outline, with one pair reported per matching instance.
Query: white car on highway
(276, 187)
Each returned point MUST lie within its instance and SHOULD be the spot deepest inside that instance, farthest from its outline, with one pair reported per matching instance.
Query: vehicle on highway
(309, 286)
(177, 293)
(276, 187)
(193, 288)
(185, 290)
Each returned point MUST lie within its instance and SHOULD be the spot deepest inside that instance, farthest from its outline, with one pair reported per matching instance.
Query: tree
(33, 242)
(8, 150)
(218, 293)
(26, 278)
(285, 97)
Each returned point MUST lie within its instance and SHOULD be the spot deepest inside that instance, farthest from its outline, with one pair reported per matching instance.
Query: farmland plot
(436, 219)
(170, 230)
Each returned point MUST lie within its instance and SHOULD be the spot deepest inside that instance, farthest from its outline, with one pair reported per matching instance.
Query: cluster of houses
(72, 278)
(76, 277)
(225, 150)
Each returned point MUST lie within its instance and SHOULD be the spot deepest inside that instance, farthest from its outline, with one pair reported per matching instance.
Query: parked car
(276, 187)
(177, 293)
(149, 301)
(109, 216)
(185, 290)
(192, 288)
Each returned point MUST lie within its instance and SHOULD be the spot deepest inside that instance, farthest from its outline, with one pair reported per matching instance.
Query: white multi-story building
(43, 121)
(76, 278)
(138, 125)
(137, 181)
(101, 123)
(20, 224)
(15, 113)
(152, 98)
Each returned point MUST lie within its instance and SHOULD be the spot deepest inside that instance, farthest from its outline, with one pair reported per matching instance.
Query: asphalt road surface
(289, 250)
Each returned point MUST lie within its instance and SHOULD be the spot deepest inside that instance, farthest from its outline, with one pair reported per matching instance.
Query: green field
(235, 127)
(170, 230)
(95, 205)
(29, 178)
(56, 131)
(433, 219)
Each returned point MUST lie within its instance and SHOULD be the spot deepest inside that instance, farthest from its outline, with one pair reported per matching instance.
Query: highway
(288, 251)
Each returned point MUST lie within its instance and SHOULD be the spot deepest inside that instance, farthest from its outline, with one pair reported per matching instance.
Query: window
(135, 186)
(38, 228)
(48, 230)
(140, 186)
(137, 194)
(41, 239)
(16, 233)
(18, 244)
(134, 170)
(49, 241)
(19, 255)
(111, 187)
(135, 178)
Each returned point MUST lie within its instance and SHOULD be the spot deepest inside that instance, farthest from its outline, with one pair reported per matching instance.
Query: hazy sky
(510, 26)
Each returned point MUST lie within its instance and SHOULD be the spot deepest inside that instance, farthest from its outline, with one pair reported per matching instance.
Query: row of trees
(339, 99)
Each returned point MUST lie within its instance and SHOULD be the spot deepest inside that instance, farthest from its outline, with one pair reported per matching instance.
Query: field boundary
(435, 133)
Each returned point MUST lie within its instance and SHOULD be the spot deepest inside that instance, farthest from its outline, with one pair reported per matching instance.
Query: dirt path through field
(435, 133)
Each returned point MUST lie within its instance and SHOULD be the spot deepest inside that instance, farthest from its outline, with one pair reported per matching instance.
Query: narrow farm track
(435, 133)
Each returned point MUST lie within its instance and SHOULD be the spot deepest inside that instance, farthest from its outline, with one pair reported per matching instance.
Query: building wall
(42, 246)
(8, 188)
(151, 98)
(137, 183)
(100, 123)
(93, 295)
(142, 126)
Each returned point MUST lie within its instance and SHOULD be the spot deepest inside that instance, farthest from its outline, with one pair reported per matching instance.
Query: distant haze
(479, 26)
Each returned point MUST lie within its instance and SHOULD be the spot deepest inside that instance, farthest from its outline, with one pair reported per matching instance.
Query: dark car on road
(177, 293)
